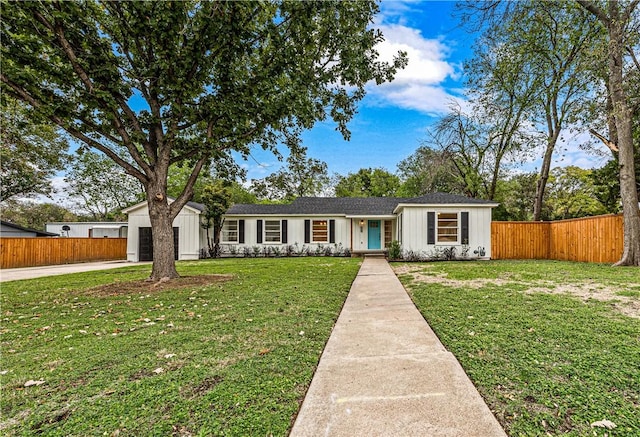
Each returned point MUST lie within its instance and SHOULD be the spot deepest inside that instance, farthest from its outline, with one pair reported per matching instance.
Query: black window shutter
(307, 231)
(332, 231)
(259, 232)
(464, 227)
(241, 231)
(284, 231)
(431, 228)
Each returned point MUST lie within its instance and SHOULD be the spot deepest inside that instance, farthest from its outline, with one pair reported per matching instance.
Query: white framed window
(230, 231)
(320, 231)
(448, 227)
(272, 231)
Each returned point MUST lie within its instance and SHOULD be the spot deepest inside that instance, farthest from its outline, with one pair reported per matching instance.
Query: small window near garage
(447, 227)
(272, 231)
(320, 231)
(230, 231)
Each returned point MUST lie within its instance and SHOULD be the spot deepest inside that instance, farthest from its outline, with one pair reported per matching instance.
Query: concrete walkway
(385, 373)
(38, 272)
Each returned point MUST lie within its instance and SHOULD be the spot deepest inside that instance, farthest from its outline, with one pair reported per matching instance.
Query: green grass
(230, 358)
(547, 363)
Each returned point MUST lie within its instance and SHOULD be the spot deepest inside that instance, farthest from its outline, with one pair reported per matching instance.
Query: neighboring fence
(590, 239)
(30, 252)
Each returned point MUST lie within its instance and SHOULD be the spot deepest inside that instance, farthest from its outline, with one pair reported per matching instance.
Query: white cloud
(420, 85)
(425, 98)
(427, 64)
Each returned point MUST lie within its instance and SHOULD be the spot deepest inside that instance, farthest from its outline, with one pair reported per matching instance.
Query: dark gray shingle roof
(199, 206)
(446, 198)
(350, 205)
(23, 229)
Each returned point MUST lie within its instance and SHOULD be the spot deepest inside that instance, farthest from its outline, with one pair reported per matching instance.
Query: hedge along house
(189, 237)
(365, 225)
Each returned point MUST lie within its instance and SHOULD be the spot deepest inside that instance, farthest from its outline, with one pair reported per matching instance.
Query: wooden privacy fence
(30, 252)
(591, 239)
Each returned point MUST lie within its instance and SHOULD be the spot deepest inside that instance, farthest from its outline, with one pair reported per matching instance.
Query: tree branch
(633, 57)
(23, 95)
(187, 193)
(610, 144)
(67, 49)
(595, 10)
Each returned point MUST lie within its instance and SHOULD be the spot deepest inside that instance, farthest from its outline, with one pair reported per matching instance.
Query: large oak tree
(166, 82)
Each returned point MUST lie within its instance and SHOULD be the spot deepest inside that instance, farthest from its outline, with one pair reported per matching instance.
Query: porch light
(361, 225)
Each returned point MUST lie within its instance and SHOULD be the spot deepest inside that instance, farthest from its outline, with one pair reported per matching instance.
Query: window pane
(230, 231)
(320, 231)
(387, 233)
(272, 231)
(447, 227)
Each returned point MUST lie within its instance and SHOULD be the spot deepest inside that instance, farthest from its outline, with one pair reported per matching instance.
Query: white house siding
(189, 233)
(414, 228)
(89, 229)
(295, 231)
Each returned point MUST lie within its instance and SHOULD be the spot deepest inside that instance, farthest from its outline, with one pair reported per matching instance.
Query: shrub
(449, 253)
(395, 250)
(289, 250)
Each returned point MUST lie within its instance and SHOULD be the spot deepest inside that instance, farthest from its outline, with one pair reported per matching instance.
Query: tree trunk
(541, 186)
(164, 266)
(217, 229)
(622, 116)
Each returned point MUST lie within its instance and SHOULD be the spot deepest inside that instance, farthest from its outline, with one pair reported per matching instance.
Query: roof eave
(444, 205)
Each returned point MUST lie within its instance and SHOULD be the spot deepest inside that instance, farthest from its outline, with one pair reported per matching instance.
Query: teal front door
(374, 234)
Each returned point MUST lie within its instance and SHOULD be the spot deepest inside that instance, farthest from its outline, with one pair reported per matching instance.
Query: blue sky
(393, 118)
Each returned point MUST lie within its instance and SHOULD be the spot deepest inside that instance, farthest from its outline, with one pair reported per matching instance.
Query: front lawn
(553, 347)
(225, 355)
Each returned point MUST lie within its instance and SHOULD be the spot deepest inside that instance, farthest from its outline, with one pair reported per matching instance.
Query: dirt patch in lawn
(145, 286)
(629, 306)
(419, 275)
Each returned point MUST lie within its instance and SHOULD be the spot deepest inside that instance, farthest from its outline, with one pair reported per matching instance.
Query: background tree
(617, 17)
(171, 82)
(368, 182)
(493, 132)
(480, 143)
(302, 176)
(428, 170)
(552, 42)
(31, 152)
(100, 187)
(217, 198)
(35, 215)
(179, 175)
(571, 194)
(515, 195)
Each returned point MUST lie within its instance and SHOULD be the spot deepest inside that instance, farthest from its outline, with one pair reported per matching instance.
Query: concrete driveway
(38, 272)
